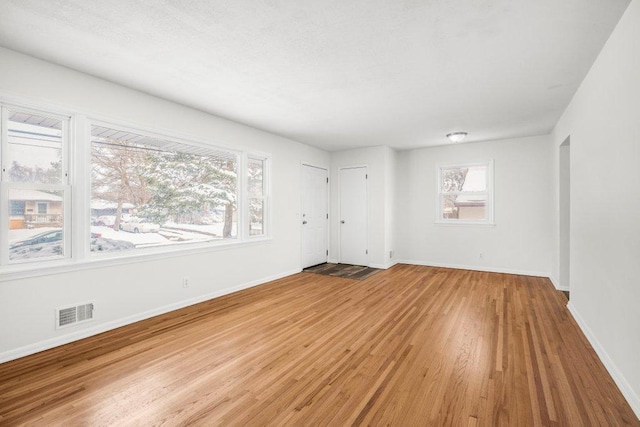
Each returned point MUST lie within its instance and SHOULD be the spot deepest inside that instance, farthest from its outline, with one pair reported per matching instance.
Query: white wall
(379, 162)
(603, 121)
(521, 240)
(391, 214)
(126, 293)
(564, 214)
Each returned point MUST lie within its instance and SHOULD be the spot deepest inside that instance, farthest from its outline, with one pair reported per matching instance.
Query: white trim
(77, 192)
(79, 176)
(266, 195)
(384, 266)
(47, 268)
(160, 134)
(85, 333)
(556, 284)
(465, 223)
(333, 261)
(476, 268)
(66, 140)
(627, 391)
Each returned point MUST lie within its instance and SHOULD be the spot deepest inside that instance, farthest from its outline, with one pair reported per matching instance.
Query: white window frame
(266, 190)
(76, 190)
(489, 209)
(187, 141)
(64, 186)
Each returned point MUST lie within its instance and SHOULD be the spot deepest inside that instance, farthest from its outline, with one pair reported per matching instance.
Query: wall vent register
(72, 315)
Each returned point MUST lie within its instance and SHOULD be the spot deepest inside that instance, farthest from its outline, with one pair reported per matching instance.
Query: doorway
(353, 216)
(315, 215)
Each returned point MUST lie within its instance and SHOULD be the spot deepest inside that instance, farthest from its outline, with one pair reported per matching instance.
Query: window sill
(46, 268)
(466, 223)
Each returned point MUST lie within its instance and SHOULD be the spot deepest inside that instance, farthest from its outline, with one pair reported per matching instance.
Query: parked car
(46, 237)
(110, 220)
(139, 225)
(106, 220)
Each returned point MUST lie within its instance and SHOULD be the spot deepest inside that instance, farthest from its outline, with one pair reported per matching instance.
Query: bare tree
(117, 174)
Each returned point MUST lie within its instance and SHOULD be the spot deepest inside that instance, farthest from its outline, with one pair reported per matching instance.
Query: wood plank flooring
(408, 346)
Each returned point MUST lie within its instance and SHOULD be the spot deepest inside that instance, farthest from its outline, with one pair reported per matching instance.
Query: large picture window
(149, 192)
(465, 193)
(135, 192)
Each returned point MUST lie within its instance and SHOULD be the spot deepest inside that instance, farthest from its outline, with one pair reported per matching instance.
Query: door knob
(304, 222)
(342, 222)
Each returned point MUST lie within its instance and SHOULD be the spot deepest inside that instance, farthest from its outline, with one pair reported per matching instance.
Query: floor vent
(72, 315)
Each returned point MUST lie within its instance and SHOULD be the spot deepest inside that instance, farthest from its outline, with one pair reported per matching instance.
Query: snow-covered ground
(110, 239)
(135, 238)
(170, 233)
(212, 229)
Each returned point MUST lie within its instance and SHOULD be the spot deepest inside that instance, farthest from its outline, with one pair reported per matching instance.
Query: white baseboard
(384, 266)
(618, 378)
(476, 268)
(104, 327)
(556, 283)
(332, 261)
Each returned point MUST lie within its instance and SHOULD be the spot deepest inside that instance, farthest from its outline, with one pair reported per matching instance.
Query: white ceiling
(334, 73)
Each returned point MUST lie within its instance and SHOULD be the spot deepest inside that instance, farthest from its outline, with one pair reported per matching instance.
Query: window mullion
(79, 169)
(4, 137)
(266, 197)
(4, 224)
(243, 198)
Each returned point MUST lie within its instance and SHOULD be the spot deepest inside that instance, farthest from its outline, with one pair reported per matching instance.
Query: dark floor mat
(348, 271)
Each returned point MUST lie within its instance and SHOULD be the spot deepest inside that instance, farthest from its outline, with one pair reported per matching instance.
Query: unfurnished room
(301, 213)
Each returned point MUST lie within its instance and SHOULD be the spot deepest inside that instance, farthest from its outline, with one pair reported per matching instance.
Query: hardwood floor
(408, 346)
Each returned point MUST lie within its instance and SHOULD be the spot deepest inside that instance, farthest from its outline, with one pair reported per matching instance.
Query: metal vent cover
(75, 314)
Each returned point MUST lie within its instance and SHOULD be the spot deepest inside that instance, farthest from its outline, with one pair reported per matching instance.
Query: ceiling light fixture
(456, 136)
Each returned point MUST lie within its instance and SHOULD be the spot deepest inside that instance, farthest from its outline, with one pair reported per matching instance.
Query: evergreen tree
(51, 175)
(187, 185)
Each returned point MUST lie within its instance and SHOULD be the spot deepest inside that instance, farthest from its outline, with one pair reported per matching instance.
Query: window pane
(149, 192)
(464, 206)
(256, 217)
(473, 178)
(16, 207)
(255, 171)
(35, 224)
(452, 179)
(34, 148)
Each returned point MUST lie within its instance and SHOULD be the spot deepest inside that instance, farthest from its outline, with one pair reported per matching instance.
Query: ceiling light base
(456, 136)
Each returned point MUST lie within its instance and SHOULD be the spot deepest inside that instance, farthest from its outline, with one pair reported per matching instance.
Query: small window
(257, 195)
(16, 208)
(465, 193)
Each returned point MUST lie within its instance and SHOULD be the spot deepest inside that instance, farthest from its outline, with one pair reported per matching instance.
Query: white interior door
(315, 218)
(353, 216)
